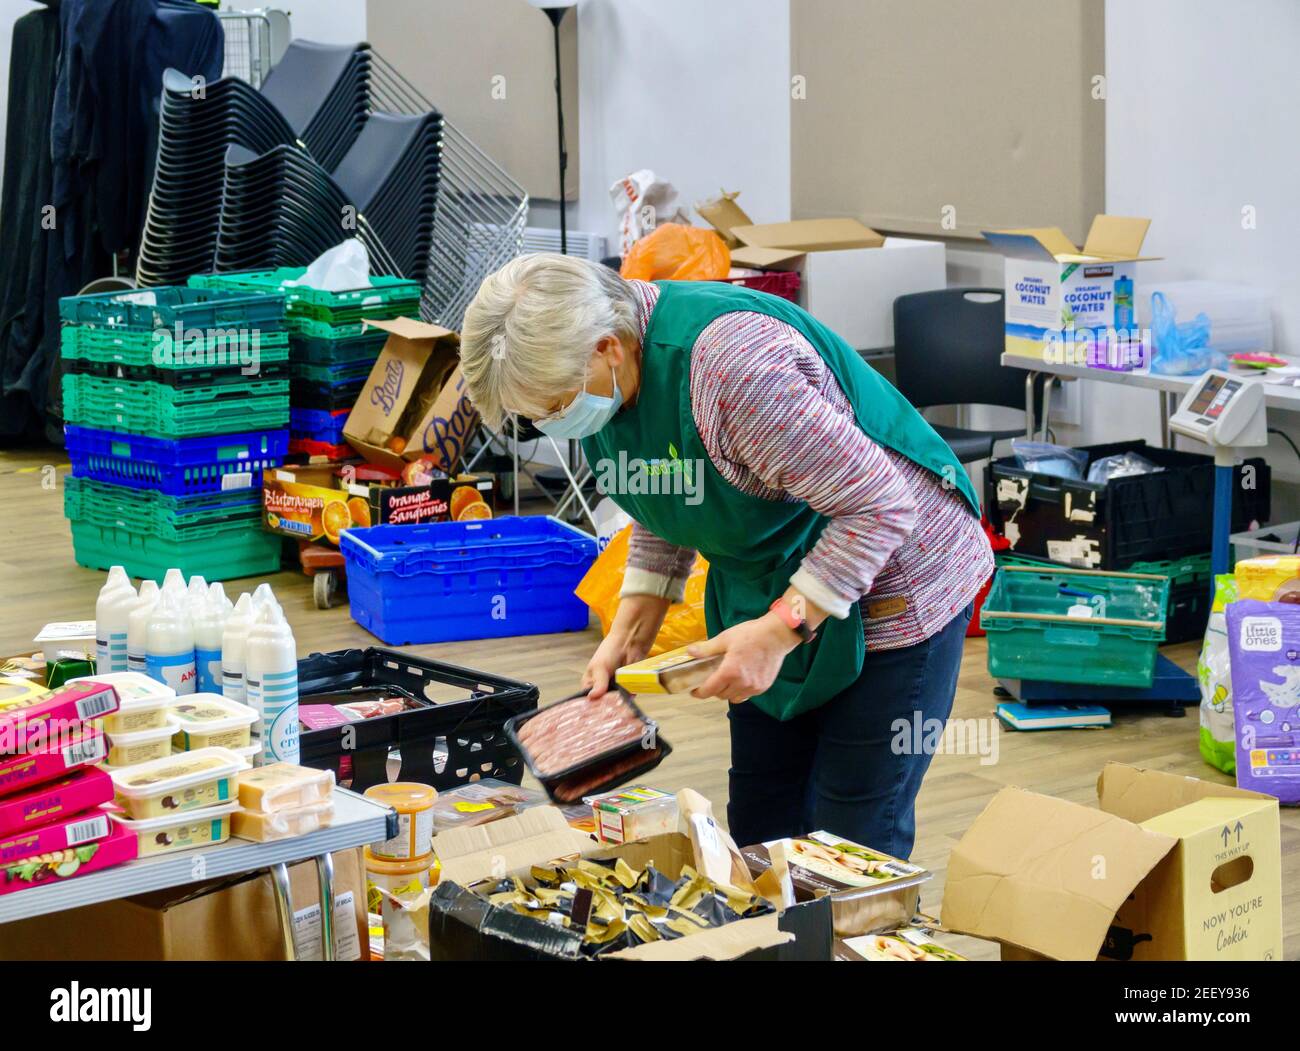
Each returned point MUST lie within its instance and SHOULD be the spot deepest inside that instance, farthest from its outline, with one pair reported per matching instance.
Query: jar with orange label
(414, 805)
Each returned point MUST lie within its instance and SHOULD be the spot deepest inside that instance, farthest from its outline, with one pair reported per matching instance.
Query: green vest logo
(671, 476)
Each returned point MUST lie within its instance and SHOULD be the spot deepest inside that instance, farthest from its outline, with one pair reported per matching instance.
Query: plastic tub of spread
(414, 805)
(283, 786)
(282, 824)
(140, 746)
(175, 832)
(189, 781)
(248, 754)
(208, 720)
(407, 877)
(142, 701)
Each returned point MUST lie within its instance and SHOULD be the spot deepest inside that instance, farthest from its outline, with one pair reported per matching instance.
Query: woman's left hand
(752, 652)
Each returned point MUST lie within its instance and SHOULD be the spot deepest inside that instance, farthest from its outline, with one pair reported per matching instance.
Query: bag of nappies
(1264, 651)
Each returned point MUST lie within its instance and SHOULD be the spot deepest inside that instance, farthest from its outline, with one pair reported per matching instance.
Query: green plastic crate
(155, 513)
(160, 411)
(237, 550)
(339, 373)
(1031, 634)
(313, 350)
(165, 307)
(140, 349)
(383, 294)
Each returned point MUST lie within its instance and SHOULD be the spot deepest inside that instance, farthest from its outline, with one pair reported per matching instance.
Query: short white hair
(529, 334)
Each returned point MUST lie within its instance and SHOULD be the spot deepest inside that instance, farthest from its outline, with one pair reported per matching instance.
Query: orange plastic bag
(599, 589)
(674, 252)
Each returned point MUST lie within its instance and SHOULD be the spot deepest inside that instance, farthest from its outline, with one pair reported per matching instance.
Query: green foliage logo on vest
(634, 476)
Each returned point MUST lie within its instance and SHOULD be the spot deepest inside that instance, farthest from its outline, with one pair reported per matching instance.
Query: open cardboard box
(463, 926)
(1055, 289)
(415, 393)
(850, 275)
(1169, 868)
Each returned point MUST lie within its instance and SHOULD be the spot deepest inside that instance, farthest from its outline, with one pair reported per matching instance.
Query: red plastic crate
(783, 283)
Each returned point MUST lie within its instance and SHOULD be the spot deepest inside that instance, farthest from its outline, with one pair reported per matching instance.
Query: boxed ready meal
(414, 402)
(502, 896)
(61, 754)
(50, 867)
(1165, 868)
(30, 723)
(55, 800)
(868, 890)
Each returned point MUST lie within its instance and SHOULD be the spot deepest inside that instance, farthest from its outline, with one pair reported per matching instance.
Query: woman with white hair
(842, 535)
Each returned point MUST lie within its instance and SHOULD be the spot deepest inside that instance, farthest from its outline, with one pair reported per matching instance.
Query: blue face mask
(585, 415)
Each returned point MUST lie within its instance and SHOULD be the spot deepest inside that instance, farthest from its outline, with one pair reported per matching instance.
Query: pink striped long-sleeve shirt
(776, 424)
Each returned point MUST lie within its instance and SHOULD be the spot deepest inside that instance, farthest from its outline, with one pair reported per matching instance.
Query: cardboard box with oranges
(318, 502)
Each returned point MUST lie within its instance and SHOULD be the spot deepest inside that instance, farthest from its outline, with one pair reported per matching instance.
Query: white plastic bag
(643, 202)
(343, 267)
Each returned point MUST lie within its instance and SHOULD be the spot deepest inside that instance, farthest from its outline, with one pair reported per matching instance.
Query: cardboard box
(723, 214)
(850, 275)
(463, 926)
(1062, 300)
(295, 502)
(229, 919)
(1169, 868)
(416, 393)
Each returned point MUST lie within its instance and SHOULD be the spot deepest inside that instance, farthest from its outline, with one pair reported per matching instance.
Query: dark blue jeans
(850, 766)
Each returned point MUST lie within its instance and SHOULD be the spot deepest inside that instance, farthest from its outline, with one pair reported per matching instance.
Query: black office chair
(947, 348)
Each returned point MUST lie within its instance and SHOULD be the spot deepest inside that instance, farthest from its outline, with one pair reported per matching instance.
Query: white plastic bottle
(174, 580)
(234, 641)
(110, 622)
(169, 644)
(271, 675)
(197, 591)
(217, 593)
(208, 616)
(137, 625)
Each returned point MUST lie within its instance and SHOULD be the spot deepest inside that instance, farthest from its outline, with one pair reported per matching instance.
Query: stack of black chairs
(250, 180)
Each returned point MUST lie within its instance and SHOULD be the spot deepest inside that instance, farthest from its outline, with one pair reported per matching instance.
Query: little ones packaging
(1264, 649)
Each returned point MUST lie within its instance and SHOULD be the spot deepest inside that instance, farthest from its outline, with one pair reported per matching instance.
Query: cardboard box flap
(724, 215)
(410, 328)
(1116, 237)
(765, 258)
(1045, 874)
(810, 235)
(1043, 242)
(1137, 795)
(1210, 814)
(535, 836)
(719, 943)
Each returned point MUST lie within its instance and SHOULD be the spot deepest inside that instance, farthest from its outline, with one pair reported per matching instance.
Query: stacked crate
(175, 400)
(330, 352)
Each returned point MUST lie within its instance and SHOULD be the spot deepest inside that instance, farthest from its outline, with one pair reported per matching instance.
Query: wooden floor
(39, 582)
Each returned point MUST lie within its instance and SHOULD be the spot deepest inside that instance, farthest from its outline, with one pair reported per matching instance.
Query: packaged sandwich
(479, 802)
(906, 945)
(577, 747)
(673, 672)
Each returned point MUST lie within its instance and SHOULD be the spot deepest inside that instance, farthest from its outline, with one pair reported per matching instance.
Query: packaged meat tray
(577, 747)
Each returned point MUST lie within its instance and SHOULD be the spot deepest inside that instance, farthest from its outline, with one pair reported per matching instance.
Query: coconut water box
(1264, 651)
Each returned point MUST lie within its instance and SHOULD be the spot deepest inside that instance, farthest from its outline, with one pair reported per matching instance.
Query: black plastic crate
(457, 711)
(1150, 517)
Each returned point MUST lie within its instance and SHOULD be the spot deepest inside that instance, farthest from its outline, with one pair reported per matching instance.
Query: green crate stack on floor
(331, 352)
(175, 399)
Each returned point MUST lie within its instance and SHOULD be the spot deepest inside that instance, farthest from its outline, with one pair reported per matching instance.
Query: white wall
(1201, 124)
(698, 92)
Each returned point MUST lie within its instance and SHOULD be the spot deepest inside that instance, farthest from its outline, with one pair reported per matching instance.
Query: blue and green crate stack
(330, 352)
(175, 401)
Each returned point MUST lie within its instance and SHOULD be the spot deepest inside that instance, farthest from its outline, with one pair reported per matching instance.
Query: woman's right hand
(631, 635)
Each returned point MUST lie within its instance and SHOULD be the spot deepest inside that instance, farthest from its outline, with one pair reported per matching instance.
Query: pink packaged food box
(30, 724)
(120, 845)
(86, 827)
(55, 800)
(71, 750)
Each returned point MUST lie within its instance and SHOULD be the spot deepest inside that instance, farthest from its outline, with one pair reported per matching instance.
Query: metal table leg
(1030, 377)
(1047, 405)
(325, 877)
(284, 908)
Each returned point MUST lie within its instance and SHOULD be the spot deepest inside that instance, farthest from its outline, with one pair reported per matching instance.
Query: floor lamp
(555, 10)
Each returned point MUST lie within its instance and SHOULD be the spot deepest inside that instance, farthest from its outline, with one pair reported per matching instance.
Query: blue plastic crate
(176, 466)
(317, 425)
(451, 581)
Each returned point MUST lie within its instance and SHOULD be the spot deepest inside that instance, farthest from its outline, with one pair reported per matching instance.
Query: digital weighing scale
(1227, 413)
